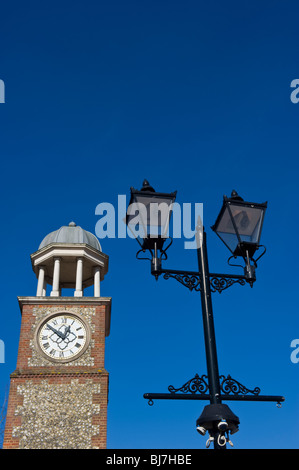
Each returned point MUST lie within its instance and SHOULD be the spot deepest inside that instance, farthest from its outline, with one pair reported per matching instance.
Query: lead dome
(71, 234)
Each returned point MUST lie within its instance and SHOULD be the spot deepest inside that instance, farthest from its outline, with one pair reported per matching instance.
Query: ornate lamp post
(239, 226)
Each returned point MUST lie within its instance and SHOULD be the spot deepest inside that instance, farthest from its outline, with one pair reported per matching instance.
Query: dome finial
(72, 224)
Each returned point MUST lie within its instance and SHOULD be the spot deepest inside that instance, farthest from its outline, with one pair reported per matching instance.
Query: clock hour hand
(58, 333)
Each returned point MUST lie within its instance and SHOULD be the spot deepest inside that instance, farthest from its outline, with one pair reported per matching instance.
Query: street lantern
(239, 225)
(148, 216)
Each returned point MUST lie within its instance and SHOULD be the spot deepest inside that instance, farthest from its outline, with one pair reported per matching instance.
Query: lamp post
(239, 226)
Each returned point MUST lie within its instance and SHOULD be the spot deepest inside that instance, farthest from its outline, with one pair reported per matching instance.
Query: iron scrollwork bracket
(191, 279)
(195, 388)
(230, 386)
(220, 282)
(197, 384)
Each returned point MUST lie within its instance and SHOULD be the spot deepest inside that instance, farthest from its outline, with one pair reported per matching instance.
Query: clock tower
(59, 391)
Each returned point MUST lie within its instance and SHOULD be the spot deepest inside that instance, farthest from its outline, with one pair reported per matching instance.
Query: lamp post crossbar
(224, 397)
(197, 388)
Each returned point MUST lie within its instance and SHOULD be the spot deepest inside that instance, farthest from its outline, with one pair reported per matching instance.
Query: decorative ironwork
(230, 386)
(192, 281)
(221, 283)
(197, 384)
(197, 388)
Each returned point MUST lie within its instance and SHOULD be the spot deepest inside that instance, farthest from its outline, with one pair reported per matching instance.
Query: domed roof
(71, 234)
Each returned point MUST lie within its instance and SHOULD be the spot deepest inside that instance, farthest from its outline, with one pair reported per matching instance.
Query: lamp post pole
(208, 326)
(208, 320)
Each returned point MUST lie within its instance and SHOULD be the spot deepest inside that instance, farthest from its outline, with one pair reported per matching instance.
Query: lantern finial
(235, 196)
(147, 187)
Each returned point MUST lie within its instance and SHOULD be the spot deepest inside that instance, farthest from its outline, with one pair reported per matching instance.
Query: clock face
(63, 337)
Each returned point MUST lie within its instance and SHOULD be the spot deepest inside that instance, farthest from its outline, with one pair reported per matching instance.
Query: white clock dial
(63, 337)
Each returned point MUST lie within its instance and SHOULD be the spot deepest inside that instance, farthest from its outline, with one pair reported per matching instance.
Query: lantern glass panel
(240, 223)
(149, 213)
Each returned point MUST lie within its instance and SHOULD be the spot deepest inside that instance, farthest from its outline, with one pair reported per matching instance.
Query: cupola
(69, 257)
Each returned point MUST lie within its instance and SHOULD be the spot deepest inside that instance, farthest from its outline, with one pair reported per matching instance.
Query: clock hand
(66, 331)
(58, 333)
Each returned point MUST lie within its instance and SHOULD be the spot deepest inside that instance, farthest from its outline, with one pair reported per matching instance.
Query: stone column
(79, 276)
(45, 288)
(40, 282)
(56, 274)
(96, 281)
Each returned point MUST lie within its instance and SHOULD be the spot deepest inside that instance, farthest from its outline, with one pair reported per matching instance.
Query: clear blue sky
(195, 97)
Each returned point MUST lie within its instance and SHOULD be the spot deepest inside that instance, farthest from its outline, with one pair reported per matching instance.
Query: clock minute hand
(58, 333)
(66, 331)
